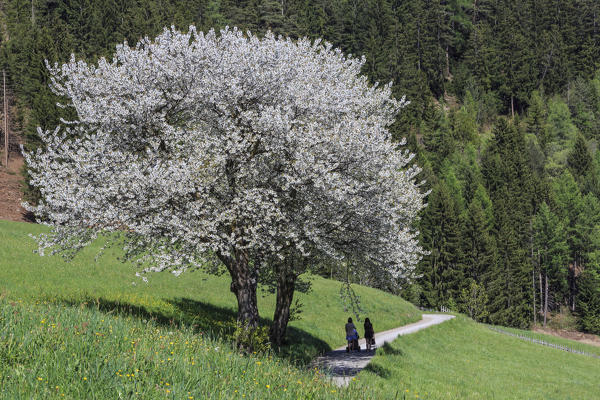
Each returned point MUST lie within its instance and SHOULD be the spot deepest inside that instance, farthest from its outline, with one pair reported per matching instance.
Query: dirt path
(342, 366)
(10, 190)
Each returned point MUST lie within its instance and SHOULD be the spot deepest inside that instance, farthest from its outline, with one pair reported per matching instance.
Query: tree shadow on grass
(388, 349)
(300, 347)
(214, 321)
(378, 370)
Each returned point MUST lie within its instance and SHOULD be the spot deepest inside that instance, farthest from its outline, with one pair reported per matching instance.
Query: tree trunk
(285, 293)
(532, 268)
(244, 280)
(545, 299)
(541, 293)
(447, 63)
(534, 310)
(572, 272)
(512, 106)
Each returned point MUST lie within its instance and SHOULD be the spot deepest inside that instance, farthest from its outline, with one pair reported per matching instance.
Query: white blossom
(196, 144)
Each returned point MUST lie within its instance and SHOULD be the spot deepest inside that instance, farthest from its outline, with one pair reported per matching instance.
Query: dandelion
(268, 386)
(85, 378)
(40, 379)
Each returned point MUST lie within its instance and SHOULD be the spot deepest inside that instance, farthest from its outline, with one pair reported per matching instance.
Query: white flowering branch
(231, 145)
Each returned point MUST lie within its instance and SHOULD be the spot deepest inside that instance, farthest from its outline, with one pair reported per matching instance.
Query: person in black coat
(369, 334)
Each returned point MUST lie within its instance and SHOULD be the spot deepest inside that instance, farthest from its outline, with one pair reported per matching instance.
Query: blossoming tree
(250, 149)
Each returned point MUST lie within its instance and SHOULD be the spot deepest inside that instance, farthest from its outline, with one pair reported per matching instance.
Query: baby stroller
(352, 342)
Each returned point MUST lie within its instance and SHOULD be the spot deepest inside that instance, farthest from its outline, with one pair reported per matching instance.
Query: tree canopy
(225, 144)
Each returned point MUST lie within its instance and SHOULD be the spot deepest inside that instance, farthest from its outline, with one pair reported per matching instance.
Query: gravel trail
(342, 366)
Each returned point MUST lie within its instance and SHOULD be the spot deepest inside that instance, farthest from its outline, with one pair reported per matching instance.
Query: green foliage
(441, 269)
(474, 302)
(588, 300)
(479, 242)
(464, 121)
(537, 116)
(580, 160)
(550, 244)
(508, 178)
(254, 341)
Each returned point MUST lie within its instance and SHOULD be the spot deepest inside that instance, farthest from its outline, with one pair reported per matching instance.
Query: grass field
(461, 359)
(84, 330)
(54, 351)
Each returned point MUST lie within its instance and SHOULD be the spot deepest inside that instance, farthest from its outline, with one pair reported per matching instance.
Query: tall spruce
(441, 270)
(507, 176)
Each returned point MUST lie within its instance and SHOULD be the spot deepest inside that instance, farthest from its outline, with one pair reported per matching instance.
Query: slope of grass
(89, 329)
(192, 298)
(54, 351)
(461, 359)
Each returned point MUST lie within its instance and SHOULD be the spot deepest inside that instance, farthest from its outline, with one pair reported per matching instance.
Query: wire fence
(543, 342)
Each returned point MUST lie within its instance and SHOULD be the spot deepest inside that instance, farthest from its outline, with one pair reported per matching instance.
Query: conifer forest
(504, 119)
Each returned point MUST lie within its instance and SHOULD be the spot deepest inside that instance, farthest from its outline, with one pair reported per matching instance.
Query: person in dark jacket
(369, 334)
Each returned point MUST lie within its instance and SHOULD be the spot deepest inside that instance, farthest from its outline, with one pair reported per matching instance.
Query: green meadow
(90, 329)
(461, 359)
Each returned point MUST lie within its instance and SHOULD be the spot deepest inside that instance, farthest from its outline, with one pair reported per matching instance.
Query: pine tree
(507, 176)
(580, 160)
(440, 229)
(588, 301)
(536, 118)
(552, 253)
(479, 244)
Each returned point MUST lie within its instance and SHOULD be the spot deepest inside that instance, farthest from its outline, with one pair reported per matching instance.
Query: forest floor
(581, 337)
(10, 190)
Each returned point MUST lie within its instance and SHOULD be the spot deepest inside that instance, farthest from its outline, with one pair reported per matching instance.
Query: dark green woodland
(504, 117)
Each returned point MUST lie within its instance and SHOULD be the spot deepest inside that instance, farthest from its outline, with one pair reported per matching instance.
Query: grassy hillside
(55, 351)
(461, 359)
(83, 330)
(192, 298)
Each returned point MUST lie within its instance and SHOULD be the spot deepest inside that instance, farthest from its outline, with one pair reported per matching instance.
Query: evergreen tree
(552, 253)
(479, 244)
(536, 118)
(441, 269)
(588, 302)
(508, 177)
(580, 160)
